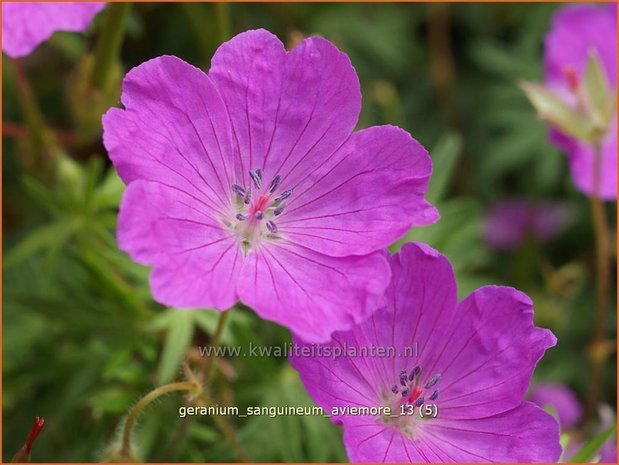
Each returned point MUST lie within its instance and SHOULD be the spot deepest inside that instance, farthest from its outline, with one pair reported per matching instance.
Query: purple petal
(523, 434)
(310, 293)
(196, 261)
(25, 25)
(366, 197)
(174, 130)
(575, 30)
(290, 110)
(490, 353)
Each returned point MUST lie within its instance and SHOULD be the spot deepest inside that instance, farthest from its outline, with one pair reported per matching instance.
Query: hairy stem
(134, 413)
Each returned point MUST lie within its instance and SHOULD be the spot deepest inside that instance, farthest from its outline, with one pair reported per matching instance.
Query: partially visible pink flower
(470, 362)
(25, 25)
(608, 451)
(509, 222)
(562, 399)
(576, 31)
(248, 183)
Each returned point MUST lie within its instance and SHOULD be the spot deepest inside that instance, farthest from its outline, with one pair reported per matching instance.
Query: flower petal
(25, 25)
(290, 111)
(174, 130)
(523, 434)
(366, 197)
(596, 27)
(490, 353)
(310, 293)
(196, 261)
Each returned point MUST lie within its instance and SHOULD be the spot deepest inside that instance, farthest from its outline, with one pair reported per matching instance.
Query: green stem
(133, 414)
(211, 363)
(222, 13)
(109, 44)
(227, 429)
(42, 138)
(598, 350)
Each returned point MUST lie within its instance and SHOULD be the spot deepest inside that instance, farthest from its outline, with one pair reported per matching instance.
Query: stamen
(414, 372)
(283, 196)
(272, 227)
(405, 392)
(419, 402)
(238, 190)
(240, 217)
(256, 176)
(247, 197)
(275, 183)
(432, 381)
(278, 211)
(259, 215)
(403, 378)
(434, 395)
(394, 388)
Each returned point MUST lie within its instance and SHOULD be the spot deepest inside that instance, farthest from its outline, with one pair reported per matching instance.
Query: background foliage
(83, 339)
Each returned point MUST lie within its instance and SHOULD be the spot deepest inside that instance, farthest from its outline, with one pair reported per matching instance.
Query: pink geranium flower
(577, 31)
(511, 222)
(464, 366)
(25, 25)
(248, 183)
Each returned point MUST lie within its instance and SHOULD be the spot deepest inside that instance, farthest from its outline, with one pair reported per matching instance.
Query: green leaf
(555, 111)
(44, 238)
(588, 451)
(176, 344)
(444, 158)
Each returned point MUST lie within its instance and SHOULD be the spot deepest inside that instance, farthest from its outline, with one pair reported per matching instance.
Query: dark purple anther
(414, 372)
(278, 211)
(432, 381)
(403, 378)
(247, 197)
(275, 183)
(259, 215)
(283, 196)
(394, 389)
(272, 227)
(434, 395)
(256, 176)
(419, 402)
(240, 217)
(405, 392)
(238, 190)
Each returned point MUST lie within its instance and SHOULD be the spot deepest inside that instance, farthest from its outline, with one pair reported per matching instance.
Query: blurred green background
(83, 339)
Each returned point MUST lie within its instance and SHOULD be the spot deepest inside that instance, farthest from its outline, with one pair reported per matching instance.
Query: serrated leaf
(44, 238)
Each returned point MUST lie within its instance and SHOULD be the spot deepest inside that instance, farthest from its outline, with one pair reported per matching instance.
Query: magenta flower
(510, 222)
(464, 366)
(25, 25)
(576, 31)
(248, 184)
(562, 399)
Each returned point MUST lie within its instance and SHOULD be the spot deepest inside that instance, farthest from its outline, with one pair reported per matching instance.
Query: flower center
(408, 396)
(257, 208)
